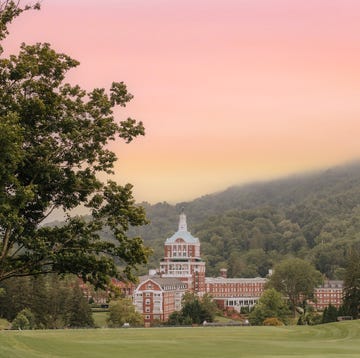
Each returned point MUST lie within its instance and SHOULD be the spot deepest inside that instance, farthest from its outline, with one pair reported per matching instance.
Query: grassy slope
(332, 340)
(4, 324)
(100, 319)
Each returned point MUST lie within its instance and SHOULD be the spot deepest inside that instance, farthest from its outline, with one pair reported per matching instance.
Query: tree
(352, 284)
(330, 314)
(309, 316)
(270, 305)
(191, 309)
(15, 297)
(24, 320)
(195, 310)
(209, 308)
(78, 312)
(53, 139)
(296, 279)
(123, 311)
(54, 302)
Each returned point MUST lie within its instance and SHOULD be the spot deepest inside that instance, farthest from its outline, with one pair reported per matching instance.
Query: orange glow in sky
(229, 91)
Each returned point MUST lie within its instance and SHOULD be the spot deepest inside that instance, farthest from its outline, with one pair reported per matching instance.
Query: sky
(229, 91)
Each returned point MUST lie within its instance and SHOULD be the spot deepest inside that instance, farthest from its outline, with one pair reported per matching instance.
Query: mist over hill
(248, 228)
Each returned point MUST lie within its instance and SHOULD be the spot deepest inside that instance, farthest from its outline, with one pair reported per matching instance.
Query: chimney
(223, 273)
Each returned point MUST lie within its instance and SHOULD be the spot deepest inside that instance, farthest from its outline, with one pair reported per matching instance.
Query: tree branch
(5, 248)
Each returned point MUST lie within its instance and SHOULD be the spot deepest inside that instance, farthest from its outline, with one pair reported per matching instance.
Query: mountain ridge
(313, 215)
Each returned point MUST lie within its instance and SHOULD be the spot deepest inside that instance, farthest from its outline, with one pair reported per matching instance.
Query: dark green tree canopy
(195, 310)
(52, 302)
(271, 305)
(352, 283)
(296, 279)
(53, 139)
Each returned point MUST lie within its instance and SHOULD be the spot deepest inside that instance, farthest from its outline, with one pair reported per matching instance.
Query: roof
(182, 234)
(168, 281)
(165, 282)
(235, 280)
(332, 284)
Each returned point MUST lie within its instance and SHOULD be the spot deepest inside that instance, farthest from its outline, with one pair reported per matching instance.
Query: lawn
(100, 319)
(332, 340)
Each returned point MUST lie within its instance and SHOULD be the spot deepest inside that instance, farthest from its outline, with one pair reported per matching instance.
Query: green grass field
(331, 340)
(100, 319)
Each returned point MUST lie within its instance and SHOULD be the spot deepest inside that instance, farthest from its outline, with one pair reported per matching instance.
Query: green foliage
(330, 314)
(352, 284)
(296, 279)
(249, 229)
(271, 305)
(123, 311)
(195, 310)
(9, 10)
(54, 303)
(24, 320)
(78, 311)
(309, 316)
(54, 139)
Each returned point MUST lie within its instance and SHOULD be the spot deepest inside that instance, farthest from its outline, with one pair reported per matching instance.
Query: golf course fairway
(336, 340)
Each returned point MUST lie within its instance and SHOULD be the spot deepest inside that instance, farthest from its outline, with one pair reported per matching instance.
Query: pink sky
(230, 91)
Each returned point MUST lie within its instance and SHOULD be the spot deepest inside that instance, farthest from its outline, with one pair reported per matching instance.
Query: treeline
(44, 302)
(247, 229)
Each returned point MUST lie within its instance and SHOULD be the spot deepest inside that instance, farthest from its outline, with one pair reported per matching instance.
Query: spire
(182, 221)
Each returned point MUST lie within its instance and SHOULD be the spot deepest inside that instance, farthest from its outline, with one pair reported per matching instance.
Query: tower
(182, 258)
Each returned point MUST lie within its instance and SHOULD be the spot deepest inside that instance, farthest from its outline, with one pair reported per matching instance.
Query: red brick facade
(181, 270)
(156, 298)
(234, 293)
(182, 259)
(331, 292)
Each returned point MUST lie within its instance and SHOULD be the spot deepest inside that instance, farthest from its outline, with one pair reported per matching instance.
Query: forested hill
(249, 228)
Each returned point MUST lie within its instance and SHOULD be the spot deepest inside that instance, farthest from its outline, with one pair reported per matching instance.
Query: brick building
(157, 297)
(330, 292)
(182, 269)
(235, 293)
(182, 258)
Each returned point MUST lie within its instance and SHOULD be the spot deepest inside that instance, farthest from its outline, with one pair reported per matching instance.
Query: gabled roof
(185, 235)
(165, 283)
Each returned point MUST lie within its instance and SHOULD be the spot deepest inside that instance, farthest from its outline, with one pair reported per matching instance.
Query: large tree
(123, 311)
(352, 284)
(296, 279)
(54, 144)
(195, 310)
(271, 305)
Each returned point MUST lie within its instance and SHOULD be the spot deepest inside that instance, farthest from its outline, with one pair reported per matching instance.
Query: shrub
(24, 320)
(272, 321)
